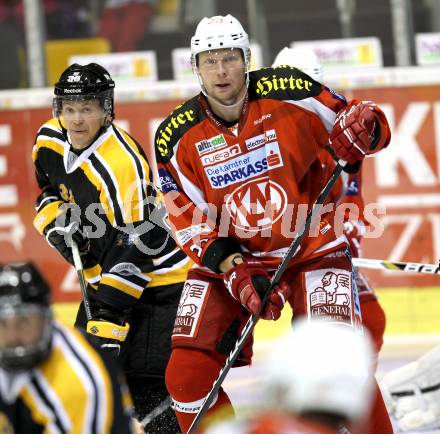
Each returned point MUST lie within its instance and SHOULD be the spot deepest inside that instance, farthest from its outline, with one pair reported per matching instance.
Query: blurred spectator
(124, 22)
(12, 71)
(63, 19)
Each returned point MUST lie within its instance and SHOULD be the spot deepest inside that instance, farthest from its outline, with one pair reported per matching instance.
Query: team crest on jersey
(66, 193)
(256, 205)
(166, 181)
(329, 293)
(192, 302)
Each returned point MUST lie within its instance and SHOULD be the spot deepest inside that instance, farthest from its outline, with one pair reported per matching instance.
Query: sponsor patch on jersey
(261, 139)
(166, 132)
(192, 303)
(245, 167)
(330, 295)
(166, 181)
(212, 144)
(353, 187)
(125, 269)
(221, 155)
(185, 235)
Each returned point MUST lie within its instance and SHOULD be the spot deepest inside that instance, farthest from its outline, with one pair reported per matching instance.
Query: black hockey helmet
(82, 82)
(25, 317)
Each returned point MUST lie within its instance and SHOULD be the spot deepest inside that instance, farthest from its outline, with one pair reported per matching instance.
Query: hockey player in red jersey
(239, 167)
(302, 394)
(373, 316)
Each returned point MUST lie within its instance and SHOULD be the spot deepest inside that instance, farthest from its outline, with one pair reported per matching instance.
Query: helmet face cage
(23, 354)
(85, 82)
(105, 101)
(23, 294)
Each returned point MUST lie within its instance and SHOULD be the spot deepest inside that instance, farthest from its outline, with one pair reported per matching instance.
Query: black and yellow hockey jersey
(110, 185)
(74, 391)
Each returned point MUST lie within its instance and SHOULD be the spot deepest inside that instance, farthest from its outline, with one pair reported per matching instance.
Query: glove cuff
(109, 330)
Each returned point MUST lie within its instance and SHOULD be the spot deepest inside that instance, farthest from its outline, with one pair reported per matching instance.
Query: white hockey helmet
(219, 32)
(302, 58)
(321, 367)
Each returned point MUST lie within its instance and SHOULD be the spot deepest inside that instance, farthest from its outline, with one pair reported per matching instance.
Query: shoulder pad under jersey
(171, 130)
(283, 83)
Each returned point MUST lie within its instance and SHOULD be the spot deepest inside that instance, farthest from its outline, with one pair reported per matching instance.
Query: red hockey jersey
(249, 188)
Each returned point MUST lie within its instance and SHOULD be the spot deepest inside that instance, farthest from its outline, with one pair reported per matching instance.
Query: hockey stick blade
(252, 321)
(408, 267)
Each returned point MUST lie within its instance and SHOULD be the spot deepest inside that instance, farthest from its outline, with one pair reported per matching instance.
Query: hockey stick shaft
(409, 267)
(157, 411)
(252, 321)
(82, 281)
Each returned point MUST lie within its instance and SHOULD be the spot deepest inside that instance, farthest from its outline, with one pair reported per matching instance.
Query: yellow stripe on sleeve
(47, 215)
(122, 285)
(93, 274)
(174, 275)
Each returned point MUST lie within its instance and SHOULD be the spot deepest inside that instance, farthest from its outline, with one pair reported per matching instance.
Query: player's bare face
(82, 120)
(223, 74)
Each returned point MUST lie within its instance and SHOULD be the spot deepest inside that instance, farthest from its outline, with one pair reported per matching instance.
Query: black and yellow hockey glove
(56, 221)
(108, 330)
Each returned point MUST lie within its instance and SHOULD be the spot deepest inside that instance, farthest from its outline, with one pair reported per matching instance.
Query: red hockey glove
(354, 231)
(248, 283)
(352, 136)
(276, 302)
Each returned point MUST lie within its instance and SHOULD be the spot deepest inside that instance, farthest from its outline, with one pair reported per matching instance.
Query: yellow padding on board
(104, 329)
(409, 311)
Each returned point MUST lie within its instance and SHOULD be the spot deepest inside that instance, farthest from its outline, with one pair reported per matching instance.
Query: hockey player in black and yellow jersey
(92, 173)
(51, 378)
